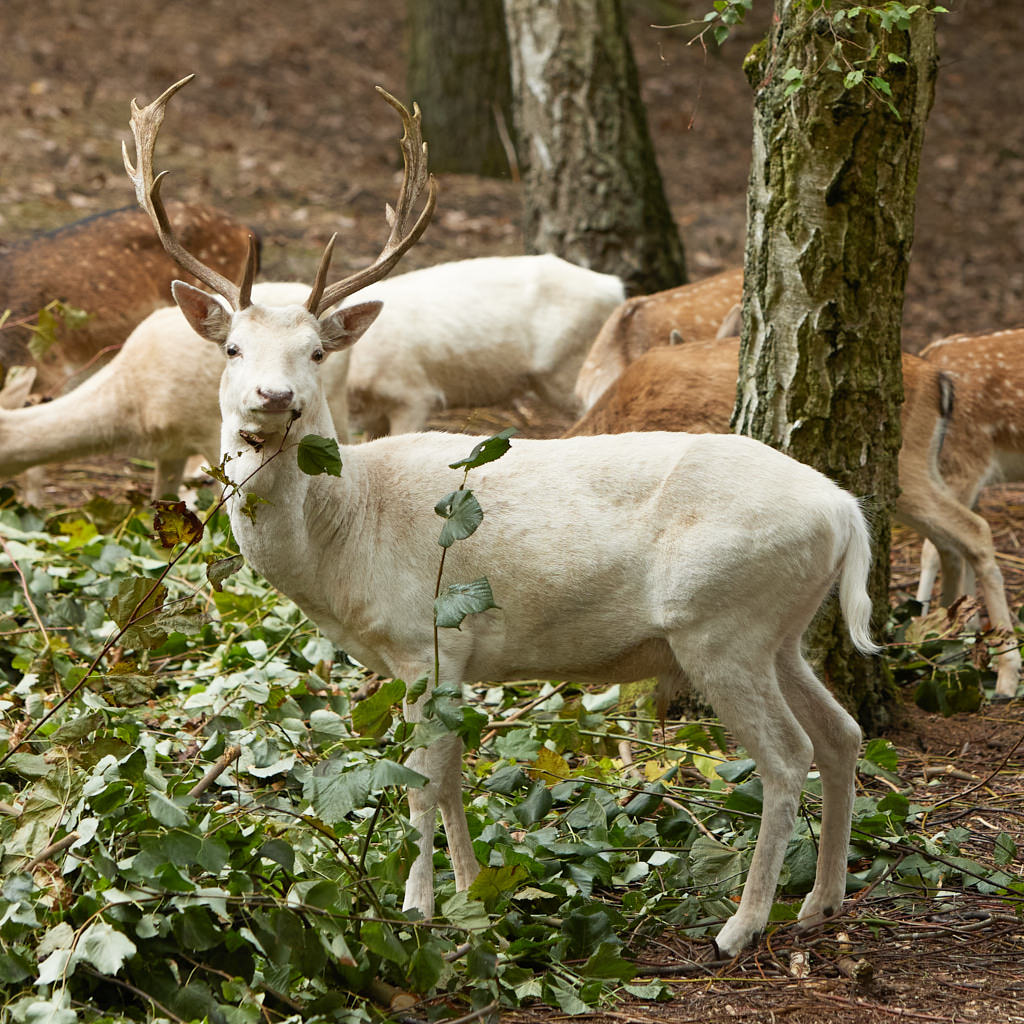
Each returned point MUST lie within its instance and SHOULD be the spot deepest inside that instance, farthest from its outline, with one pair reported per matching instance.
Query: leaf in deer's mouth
(252, 439)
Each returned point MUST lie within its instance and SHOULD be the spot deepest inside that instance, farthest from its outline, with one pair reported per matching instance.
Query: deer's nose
(276, 400)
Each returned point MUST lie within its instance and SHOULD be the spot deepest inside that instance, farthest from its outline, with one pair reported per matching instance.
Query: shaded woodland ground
(282, 128)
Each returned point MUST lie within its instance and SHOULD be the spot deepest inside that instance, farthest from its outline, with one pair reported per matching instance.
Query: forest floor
(282, 128)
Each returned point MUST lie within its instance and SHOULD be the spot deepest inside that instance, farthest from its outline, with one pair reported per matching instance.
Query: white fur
(688, 557)
(475, 332)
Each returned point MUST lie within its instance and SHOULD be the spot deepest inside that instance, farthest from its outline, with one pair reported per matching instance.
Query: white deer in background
(693, 558)
(475, 332)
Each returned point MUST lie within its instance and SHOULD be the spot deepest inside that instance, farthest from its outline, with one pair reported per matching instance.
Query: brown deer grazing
(692, 387)
(695, 311)
(985, 442)
(112, 267)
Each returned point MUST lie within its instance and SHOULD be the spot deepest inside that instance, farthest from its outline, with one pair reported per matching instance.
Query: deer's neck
(287, 524)
(95, 417)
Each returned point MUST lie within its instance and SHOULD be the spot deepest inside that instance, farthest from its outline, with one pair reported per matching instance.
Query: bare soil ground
(282, 127)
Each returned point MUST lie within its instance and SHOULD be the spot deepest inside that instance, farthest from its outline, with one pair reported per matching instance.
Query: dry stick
(482, 1012)
(506, 141)
(519, 712)
(893, 1011)
(390, 997)
(985, 781)
(52, 850)
(216, 770)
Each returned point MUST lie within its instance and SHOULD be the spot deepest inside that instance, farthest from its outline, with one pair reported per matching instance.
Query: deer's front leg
(441, 765)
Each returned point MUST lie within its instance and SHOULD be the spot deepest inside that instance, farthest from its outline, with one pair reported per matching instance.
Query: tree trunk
(459, 74)
(830, 215)
(592, 192)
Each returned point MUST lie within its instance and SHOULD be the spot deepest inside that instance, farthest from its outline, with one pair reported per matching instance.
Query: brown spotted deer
(111, 267)
(694, 311)
(692, 387)
(703, 557)
(985, 440)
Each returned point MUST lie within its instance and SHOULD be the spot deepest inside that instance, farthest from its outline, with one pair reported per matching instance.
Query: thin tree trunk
(592, 191)
(830, 215)
(459, 74)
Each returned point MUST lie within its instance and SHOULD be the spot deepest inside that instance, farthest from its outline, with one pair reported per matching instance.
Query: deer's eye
(231, 350)
(318, 355)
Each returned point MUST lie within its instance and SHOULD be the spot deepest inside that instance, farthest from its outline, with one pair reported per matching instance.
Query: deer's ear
(345, 326)
(207, 317)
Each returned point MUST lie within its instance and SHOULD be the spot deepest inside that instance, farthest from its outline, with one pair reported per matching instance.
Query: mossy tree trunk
(830, 216)
(592, 191)
(458, 72)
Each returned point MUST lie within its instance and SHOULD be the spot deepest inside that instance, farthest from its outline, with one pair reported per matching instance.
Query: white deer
(693, 558)
(475, 332)
(692, 386)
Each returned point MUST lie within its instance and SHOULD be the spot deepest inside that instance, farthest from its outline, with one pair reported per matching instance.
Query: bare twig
(519, 712)
(216, 770)
(52, 850)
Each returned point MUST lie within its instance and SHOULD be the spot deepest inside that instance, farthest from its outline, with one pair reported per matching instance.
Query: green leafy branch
(462, 515)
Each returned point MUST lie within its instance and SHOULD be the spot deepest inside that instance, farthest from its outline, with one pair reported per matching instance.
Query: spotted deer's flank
(694, 311)
(113, 268)
(704, 558)
(692, 386)
(985, 440)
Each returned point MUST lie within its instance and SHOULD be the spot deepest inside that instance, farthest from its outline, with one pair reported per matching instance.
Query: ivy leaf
(462, 599)
(334, 792)
(380, 939)
(714, 865)
(537, 803)
(218, 571)
(135, 606)
(136, 598)
(425, 968)
(462, 514)
(735, 771)
(372, 716)
(176, 524)
(486, 451)
(166, 811)
(493, 882)
(318, 455)
(605, 962)
(1005, 851)
(104, 947)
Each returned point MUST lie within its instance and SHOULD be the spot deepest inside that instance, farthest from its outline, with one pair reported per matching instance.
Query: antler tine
(145, 125)
(402, 237)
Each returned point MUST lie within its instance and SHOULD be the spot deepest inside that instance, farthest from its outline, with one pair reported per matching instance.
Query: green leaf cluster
(211, 826)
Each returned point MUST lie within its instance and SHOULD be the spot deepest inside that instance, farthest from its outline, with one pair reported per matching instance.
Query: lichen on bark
(830, 214)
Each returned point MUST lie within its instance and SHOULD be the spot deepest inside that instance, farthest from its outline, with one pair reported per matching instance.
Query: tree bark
(592, 191)
(458, 71)
(830, 215)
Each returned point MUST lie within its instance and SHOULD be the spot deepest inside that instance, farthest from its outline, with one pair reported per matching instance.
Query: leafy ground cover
(203, 820)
